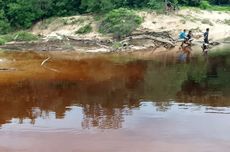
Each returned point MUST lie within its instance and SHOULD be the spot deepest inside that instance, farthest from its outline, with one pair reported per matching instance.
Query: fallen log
(166, 43)
(163, 35)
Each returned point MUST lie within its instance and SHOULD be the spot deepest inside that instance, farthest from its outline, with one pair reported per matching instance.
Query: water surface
(115, 104)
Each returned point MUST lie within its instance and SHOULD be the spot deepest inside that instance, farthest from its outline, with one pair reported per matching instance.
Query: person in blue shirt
(182, 35)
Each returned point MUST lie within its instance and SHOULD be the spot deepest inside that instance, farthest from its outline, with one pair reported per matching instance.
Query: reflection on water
(101, 92)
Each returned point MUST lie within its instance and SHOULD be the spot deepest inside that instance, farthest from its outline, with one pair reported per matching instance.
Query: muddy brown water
(113, 104)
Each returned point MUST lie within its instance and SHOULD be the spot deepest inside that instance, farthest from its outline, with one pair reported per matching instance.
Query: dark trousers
(206, 41)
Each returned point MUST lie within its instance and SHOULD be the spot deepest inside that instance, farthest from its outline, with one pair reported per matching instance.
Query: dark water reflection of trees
(105, 102)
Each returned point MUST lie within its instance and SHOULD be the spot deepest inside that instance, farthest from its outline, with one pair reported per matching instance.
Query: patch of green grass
(116, 45)
(219, 8)
(226, 21)
(207, 21)
(97, 17)
(204, 4)
(78, 21)
(120, 22)
(85, 29)
(211, 8)
(2, 41)
(220, 52)
(19, 36)
(72, 21)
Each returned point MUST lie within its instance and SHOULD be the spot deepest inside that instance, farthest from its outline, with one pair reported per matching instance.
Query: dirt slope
(195, 20)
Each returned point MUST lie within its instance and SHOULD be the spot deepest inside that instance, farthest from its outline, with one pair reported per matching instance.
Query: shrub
(2, 41)
(19, 36)
(204, 5)
(206, 21)
(4, 24)
(156, 4)
(120, 22)
(24, 36)
(85, 29)
(226, 21)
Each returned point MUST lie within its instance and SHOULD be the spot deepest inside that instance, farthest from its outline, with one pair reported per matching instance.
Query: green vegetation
(85, 29)
(22, 14)
(226, 21)
(2, 41)
(206, 21)
(18, 36)
(219, 8)
(120, 22)
(204, 5)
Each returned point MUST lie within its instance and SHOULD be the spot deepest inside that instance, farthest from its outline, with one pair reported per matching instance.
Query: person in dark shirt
(189, 36)
(206, 36)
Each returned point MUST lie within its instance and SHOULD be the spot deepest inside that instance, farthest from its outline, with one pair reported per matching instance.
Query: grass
(78, 21)
(2, 41)
(210, 8)
(73, 21)
(120, 22)
(206, 21)
(18, 36)
(85, 29)
(219, 8)
(116, 45)
(226, 21)
(219, 52)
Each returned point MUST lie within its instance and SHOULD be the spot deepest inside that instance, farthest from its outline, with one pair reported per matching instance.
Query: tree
(97, 5)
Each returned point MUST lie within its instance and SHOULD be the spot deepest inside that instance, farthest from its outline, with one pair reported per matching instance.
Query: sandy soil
(195, 20)
(56, 32)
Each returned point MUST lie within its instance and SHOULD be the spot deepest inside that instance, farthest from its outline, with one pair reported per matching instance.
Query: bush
(156, 4)
(85, 29)
(24, 36)
(2, 41)
(207, 21)
(226, 21)
(4, 24)
(120, 22)
(204, 5)
(19, 36)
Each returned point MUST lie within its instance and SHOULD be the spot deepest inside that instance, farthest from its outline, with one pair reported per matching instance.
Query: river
(114, 104)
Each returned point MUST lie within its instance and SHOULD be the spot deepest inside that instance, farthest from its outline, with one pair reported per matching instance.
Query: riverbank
(157, 33)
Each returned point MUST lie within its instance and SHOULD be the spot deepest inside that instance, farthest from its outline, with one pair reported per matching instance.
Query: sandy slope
(191, 20)
(195, 20)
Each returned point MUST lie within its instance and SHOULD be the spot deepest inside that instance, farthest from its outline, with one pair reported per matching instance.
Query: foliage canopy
(19, 14)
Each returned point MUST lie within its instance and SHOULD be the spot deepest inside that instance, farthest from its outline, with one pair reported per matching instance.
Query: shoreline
(154, 36)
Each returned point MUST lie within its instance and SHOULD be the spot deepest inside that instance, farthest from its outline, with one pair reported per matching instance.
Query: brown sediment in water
(104, 96)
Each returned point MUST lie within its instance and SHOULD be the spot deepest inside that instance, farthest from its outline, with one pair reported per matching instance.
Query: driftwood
(101, 43)
(164, 42)
(43, 65)
(163, 35)
(162, 38)
(157, 39)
